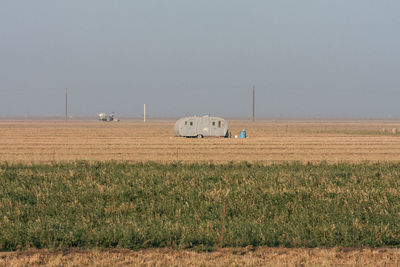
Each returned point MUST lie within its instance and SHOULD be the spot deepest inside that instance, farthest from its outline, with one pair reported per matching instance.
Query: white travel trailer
(103, 117)
(201, 127)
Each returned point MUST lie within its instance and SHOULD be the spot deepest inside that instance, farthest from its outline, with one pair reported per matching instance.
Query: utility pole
(66, 104)
(254, 100)
(144, 112)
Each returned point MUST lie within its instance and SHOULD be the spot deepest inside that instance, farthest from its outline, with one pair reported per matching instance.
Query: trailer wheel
(200, 136)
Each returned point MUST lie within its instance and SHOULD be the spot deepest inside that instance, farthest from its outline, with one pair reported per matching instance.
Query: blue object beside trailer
(243, 134)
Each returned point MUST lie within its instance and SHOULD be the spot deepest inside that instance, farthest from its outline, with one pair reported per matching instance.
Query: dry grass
(225, 257)
(269, 141)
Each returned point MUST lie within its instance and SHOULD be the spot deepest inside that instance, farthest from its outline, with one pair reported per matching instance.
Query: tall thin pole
(254, 100)
(223, 225)
(66, 104)
(144, 112)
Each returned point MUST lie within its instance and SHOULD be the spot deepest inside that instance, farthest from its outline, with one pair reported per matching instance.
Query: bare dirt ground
(224, 257)
(133, 141)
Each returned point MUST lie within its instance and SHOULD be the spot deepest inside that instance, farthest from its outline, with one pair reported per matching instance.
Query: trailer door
(191, 128)
(213, 127)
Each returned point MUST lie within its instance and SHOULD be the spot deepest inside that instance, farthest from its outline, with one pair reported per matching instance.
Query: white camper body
(201, 127)
(103, 117)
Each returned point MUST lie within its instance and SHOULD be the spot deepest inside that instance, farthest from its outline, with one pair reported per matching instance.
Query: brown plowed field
(224, 257)
(269, 141)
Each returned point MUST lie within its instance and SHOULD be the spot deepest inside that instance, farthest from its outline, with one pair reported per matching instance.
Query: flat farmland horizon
(269, 141)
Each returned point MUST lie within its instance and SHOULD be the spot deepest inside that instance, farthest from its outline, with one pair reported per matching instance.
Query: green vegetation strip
(105, 205)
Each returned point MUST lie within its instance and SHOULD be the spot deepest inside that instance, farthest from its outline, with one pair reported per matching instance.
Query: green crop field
(142, 205)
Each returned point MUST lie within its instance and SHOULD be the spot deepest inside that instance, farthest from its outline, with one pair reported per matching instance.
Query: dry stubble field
(224, 257)
(269, 141)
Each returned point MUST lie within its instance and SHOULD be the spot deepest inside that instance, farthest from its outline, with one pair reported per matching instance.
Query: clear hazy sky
(311, 58)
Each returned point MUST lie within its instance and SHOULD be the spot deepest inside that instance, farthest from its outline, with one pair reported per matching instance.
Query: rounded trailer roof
(198, 117)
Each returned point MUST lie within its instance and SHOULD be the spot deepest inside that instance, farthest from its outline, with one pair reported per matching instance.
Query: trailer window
(213, 123)
(219, 124)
